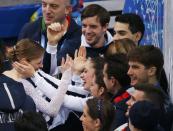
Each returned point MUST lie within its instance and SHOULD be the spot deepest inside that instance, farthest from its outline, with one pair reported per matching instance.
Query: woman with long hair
(98, 115)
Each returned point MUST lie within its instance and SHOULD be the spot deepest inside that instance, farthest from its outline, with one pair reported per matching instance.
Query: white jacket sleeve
(50, 108)
(51, 78)
(78, 89)
(48, 89)
(42, 84)
(75, 103)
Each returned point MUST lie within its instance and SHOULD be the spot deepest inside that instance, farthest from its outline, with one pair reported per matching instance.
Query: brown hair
(103, 110)
(120, 46)
(96, 10)
(149, 56)
(98, 65)
(152, 94)
(25, 48)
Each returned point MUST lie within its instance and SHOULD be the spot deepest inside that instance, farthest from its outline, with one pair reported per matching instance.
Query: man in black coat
(56, 11)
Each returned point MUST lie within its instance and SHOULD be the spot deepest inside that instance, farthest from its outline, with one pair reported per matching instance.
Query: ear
(113, 81)
(101, 91)
(97, 123)
(138, 36)
(105, 27)
(68, 10)
(152, 71)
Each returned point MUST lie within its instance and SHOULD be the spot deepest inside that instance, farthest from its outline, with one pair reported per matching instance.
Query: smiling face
(138, 73)
(88, 75)
(54, 11)
(122, 31)
(93, 31)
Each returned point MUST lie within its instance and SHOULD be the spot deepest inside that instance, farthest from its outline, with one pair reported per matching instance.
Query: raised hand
(66, 64)
(79, 60)
(55, 32)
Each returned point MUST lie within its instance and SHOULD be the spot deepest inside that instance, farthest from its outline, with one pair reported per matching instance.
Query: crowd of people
(61, 76)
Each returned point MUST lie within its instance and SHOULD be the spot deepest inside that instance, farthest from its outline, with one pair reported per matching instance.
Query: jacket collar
(108, 37)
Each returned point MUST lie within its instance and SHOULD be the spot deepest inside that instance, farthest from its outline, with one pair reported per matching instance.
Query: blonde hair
(27, 49)
(120, 46)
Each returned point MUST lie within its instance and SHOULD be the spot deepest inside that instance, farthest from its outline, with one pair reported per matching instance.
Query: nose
(41, 65)
(129, 71)
(82, 75)
(81, 118)
(47, 8)
(87, 29)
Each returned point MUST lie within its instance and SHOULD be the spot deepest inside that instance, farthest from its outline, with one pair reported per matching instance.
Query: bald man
(62, 37)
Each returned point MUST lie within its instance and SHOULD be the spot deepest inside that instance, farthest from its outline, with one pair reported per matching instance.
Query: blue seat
(13, 18)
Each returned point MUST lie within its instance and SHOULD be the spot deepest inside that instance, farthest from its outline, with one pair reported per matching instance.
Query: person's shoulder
(74, 28)
(31, 29)
(122, 127)
(34, 24)
(73, 23)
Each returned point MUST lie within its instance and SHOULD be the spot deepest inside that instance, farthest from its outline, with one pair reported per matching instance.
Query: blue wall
(152, 13)
(13, 18)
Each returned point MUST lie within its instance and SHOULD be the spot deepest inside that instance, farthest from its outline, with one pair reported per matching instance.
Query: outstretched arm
(50, 108)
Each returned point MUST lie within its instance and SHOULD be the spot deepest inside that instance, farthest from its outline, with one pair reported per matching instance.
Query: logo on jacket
(6, 118)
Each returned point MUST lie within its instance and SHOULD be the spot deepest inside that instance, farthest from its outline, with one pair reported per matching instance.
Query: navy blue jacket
(68, 43)
(13, 102)
(119, 100)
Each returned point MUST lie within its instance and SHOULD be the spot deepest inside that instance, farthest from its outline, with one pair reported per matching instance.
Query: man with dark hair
(95, 37)
(155, 95)
(117, 82)
(147, 92)
(130, 26)
(145, 65)
(116, 67)
(61, 38)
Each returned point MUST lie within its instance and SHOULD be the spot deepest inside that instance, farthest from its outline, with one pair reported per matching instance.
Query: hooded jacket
(13, 102)
(94, 52)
